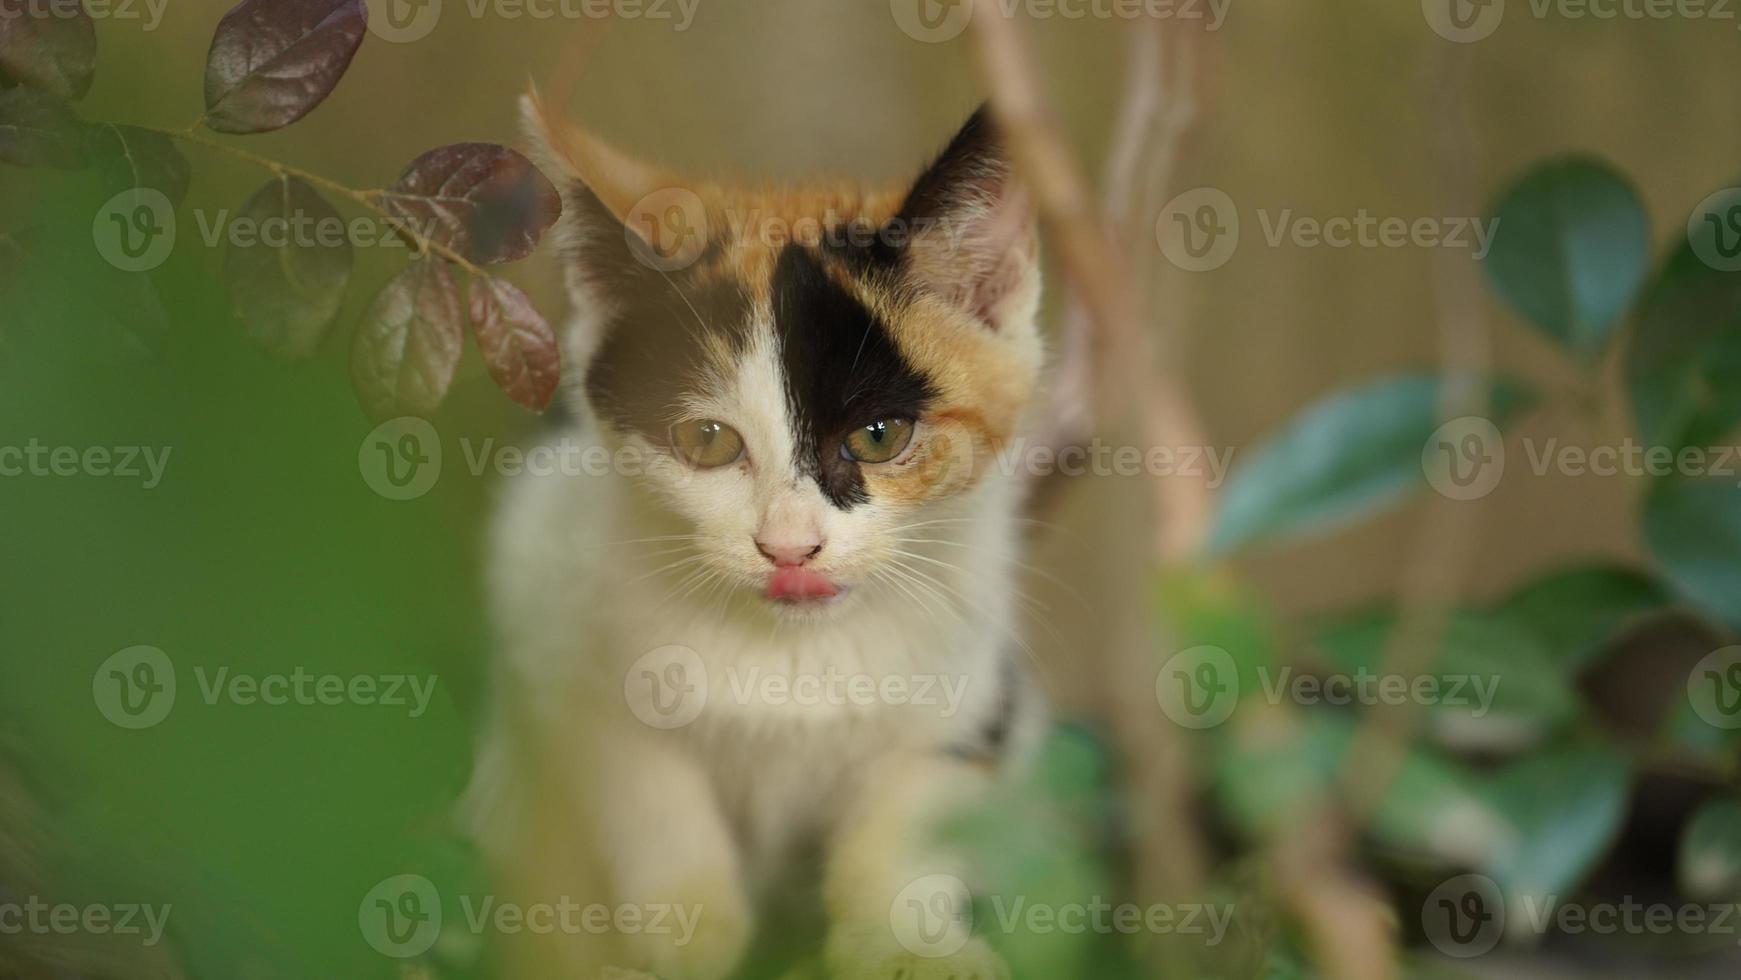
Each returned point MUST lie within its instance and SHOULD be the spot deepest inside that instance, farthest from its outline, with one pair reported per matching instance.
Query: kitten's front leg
(669, 854)
(897, 901)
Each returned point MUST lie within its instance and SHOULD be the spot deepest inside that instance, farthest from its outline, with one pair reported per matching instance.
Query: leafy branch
(271, 62)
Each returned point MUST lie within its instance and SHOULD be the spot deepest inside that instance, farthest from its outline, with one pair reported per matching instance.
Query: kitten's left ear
(971, 231)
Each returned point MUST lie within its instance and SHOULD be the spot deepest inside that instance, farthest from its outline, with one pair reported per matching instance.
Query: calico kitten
(782, 625)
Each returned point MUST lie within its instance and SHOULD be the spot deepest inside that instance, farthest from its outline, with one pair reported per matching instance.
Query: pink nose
(789, 553)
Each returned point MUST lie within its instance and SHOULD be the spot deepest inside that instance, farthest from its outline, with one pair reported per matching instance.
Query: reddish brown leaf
(287, 279)
(484, 201)
(128, 157)
(39, 130)
(408, 345)
(49, 45)
(272, 61)
(517, 343)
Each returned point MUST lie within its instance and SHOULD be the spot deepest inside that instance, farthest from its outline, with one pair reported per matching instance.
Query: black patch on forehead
(655, 346)
(842, 370)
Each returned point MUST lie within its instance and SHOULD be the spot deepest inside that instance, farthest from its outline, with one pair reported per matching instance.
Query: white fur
(712, 813)
(730, 796)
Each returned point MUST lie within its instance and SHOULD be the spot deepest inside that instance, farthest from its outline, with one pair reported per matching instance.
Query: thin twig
(1449, 537)
(368, 199)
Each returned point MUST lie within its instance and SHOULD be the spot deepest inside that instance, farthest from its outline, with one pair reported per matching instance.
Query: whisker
(692, 559)
(994, 621)
(1027, 567)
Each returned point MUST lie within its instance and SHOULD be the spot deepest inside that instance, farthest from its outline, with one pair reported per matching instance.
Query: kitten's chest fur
(782, 715)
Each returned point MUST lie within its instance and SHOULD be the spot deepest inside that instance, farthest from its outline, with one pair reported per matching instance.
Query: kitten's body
(649, 744)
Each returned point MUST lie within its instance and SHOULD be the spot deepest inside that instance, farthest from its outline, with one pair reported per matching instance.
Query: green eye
(705, 444)
(879, 442)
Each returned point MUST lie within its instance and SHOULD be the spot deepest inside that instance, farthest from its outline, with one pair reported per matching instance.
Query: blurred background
(263, 548)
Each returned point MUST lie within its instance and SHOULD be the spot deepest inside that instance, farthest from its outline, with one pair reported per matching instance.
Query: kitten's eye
(705, 444)
(879, 442)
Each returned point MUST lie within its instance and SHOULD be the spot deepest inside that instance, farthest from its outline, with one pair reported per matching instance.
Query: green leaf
(1684, 367)
(1571, 250)
(1575, 613)
(1686, 730)
(1710, 855)
(1495, 683)
(1693, 527)
(1212, 608)
(1562, 809)
(1349, 455)
(1434, 807)
(1269, 775)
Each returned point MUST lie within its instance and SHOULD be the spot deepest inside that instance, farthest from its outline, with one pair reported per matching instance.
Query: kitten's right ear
(973, 223)
(602, 190)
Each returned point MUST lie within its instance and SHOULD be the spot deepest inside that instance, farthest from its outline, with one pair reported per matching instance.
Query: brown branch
(1108, 371)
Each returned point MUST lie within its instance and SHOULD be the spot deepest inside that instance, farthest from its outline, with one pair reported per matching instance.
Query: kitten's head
(810, 371)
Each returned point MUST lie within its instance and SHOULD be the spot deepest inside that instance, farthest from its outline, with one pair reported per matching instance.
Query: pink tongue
(798, 582)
